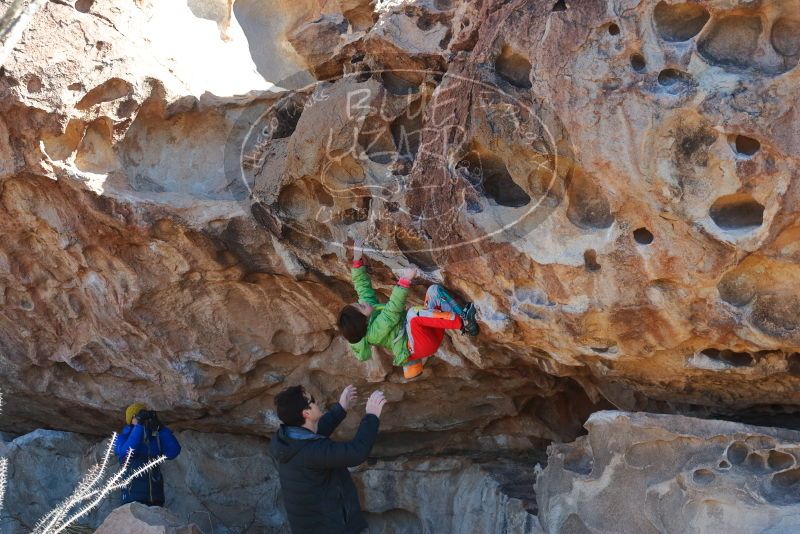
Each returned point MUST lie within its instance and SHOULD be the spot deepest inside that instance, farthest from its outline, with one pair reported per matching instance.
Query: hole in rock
(363, 75)
(785, 36)
(84, 5)
(643, 236)
(703, 476)
(590, 261)
(34, 84)
(638, 62)
(794, 363)
(778, 460)
(397, 85)
(755, 463)
(738, 211)
(301, 199)
(444, 41)
(674, 81)
(588, 205)
(487, 171)
(613, 29)
(737, 452)
(415, 249)
(787, 479)
(514, 68)
(746, 146)
(561, 5)
(777, 314)
(286, 115)
(731, 41)
(679, 22)
(579, 460)
(729, 357)
(724, 464)
(425, 23)
(504, 190)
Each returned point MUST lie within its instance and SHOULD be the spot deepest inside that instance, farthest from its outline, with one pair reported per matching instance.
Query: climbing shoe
(412, 370)
(469, 323)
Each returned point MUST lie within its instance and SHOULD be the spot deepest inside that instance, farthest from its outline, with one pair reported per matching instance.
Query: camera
(149, 420)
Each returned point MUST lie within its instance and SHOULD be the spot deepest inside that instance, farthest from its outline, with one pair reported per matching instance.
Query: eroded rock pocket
(514, 68)
(679, 22)
(588, 206)
(737, 212)
(731, 41)
(729, 357)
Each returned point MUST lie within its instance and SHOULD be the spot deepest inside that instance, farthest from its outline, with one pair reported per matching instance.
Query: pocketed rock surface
(638, 472)
(612, 182)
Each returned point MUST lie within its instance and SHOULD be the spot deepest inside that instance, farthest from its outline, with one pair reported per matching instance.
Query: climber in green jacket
(411, 335)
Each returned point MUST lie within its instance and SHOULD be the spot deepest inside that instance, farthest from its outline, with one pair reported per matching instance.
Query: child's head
(352, 321)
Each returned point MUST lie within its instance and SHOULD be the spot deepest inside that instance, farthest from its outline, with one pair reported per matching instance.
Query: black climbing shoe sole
(470, 325)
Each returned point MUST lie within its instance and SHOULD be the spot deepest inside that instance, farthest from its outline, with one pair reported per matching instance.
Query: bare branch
(95, 485)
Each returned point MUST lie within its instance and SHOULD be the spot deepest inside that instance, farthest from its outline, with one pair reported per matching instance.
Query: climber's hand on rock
(358, 248)
(375, 403)
(348, 397)
(409, 273)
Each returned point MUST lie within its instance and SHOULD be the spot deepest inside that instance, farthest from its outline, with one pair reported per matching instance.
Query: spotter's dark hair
(290, 404)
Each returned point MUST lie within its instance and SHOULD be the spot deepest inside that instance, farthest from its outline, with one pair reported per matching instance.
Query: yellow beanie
(132, 410)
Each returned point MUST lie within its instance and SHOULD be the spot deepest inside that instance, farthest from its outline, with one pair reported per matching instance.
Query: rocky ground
(611, 181)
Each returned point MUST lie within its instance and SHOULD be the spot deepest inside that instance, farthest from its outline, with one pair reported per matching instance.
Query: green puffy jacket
(386, 326)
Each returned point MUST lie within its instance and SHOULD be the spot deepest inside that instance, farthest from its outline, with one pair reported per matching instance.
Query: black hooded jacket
(318, 492)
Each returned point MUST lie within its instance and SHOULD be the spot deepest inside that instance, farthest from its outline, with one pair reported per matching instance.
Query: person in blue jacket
(148, 439)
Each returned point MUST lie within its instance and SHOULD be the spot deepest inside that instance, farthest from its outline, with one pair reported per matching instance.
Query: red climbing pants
(426, 324)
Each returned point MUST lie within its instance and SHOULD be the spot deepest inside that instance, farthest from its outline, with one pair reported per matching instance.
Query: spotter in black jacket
(318, 492)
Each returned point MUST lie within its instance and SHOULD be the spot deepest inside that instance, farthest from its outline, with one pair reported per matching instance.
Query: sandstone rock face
(611, 181)
(137, 518)
(644, 473)
(167, 241)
